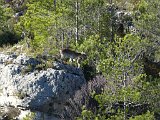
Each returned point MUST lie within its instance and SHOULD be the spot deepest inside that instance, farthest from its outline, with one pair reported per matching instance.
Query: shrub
(85, 97)
(7, 37)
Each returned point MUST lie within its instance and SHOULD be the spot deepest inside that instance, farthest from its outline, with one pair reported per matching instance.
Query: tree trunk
(77, 24)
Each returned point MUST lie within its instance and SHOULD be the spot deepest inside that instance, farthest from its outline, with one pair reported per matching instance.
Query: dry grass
(18, 48)
(5, 48)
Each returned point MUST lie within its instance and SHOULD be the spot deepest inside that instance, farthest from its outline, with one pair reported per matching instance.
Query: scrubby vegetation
(120, 38)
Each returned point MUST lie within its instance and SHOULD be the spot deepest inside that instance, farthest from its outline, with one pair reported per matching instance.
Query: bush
(85, 97)
(146, 116)
(8, 37)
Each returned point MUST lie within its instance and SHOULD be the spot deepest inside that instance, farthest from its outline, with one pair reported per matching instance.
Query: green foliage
(44, 66)
(40, 67)
(119, 63)
(8, 37)
(88, 26)
(55, 26)
(38, 20)
(147, 116)
(93, 48)
(30, 116)
(7, 33)
(89, 115)
(142, 7)
(2, 15)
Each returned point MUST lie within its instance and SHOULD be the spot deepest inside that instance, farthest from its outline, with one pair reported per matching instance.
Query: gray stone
(44, 91)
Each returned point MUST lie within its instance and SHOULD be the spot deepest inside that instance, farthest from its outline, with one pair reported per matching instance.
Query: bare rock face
(44, 91)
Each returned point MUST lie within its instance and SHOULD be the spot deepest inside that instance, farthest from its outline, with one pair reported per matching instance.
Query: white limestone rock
(44, 91)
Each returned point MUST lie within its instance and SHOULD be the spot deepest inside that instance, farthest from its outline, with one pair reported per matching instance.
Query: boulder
(44, 92)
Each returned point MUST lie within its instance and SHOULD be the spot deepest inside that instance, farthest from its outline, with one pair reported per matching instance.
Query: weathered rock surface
(43, 91)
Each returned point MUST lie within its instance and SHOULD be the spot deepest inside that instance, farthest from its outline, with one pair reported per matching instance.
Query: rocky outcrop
(43, 92)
